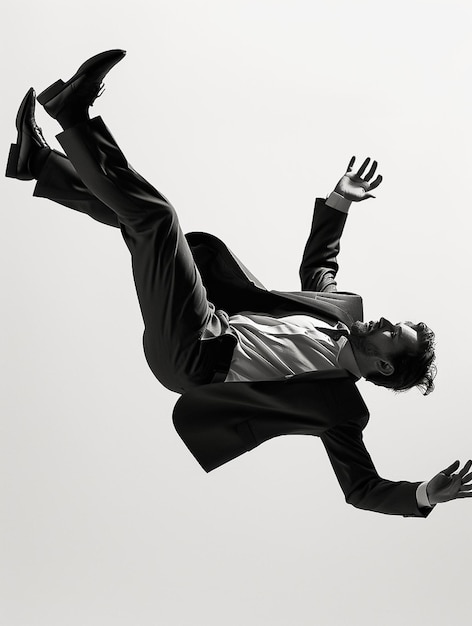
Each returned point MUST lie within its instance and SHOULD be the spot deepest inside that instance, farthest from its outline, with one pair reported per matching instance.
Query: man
(251, 364)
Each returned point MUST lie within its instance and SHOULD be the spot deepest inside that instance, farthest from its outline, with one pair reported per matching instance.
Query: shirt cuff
(337, 201)
(422, 496)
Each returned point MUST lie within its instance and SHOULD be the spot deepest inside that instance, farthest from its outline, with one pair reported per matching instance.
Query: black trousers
(96, 179)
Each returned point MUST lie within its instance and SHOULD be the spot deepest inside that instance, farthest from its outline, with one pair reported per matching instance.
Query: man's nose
(385, 324)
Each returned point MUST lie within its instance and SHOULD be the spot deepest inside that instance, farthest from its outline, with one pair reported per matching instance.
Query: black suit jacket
(221, 421)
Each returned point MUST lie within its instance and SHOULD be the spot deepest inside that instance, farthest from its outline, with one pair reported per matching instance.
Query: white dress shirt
(271, 348)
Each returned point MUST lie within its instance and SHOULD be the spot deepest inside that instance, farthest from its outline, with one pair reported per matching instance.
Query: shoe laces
(38, 133)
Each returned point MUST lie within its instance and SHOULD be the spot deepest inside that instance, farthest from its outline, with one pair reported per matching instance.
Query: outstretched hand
(447, 486)
(355, 188)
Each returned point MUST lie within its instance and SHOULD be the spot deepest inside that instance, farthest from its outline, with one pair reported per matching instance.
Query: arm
(319, 266)
(359, 480)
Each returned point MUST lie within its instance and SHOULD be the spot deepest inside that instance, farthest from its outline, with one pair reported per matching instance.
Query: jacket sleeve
(319, 266)
(358, 478)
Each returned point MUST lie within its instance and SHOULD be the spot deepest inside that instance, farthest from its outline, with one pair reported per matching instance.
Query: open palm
(447, 485)
(355, 188)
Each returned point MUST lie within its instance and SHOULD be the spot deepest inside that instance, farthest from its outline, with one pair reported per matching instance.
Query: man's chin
(359, 332)
(360, 329)
(363, 329)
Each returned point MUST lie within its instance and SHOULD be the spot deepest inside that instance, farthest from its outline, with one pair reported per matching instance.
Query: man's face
(383, 338)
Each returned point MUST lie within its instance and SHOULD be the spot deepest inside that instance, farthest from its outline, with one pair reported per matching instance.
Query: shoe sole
(14, 154)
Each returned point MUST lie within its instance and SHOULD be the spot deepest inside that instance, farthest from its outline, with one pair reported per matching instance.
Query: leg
(172, 297)
(58, 181)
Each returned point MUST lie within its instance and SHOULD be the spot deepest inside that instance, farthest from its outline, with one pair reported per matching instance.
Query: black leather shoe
(80, 91)
(30, 139)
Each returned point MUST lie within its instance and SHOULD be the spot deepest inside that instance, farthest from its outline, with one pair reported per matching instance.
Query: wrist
(422, 495)
(337, 201)
(430, 495)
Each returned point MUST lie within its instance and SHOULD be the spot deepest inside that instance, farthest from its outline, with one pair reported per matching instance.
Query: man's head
(398, 356)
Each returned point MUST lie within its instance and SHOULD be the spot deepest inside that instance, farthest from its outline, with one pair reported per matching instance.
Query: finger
(465, 469)
(376, 182)
(452, 468)
(371, 172)
(467, 478)
(464, 495)
(351, 164)
(363, 166)
(465, 488)
(367, 195)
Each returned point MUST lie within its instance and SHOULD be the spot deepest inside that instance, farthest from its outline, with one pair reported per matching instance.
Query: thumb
(452, 468)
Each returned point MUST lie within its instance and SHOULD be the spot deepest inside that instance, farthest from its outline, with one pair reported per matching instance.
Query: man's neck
(347, 360)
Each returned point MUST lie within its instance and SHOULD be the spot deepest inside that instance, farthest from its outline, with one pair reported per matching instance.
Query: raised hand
(447, 486)
(355, 188)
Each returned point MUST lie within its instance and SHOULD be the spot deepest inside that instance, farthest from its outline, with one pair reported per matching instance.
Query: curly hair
(412, 369)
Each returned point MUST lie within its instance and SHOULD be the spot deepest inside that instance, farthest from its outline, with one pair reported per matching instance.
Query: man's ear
(384, 367)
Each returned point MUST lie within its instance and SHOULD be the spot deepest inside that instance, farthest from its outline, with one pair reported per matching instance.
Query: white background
(240, 113)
